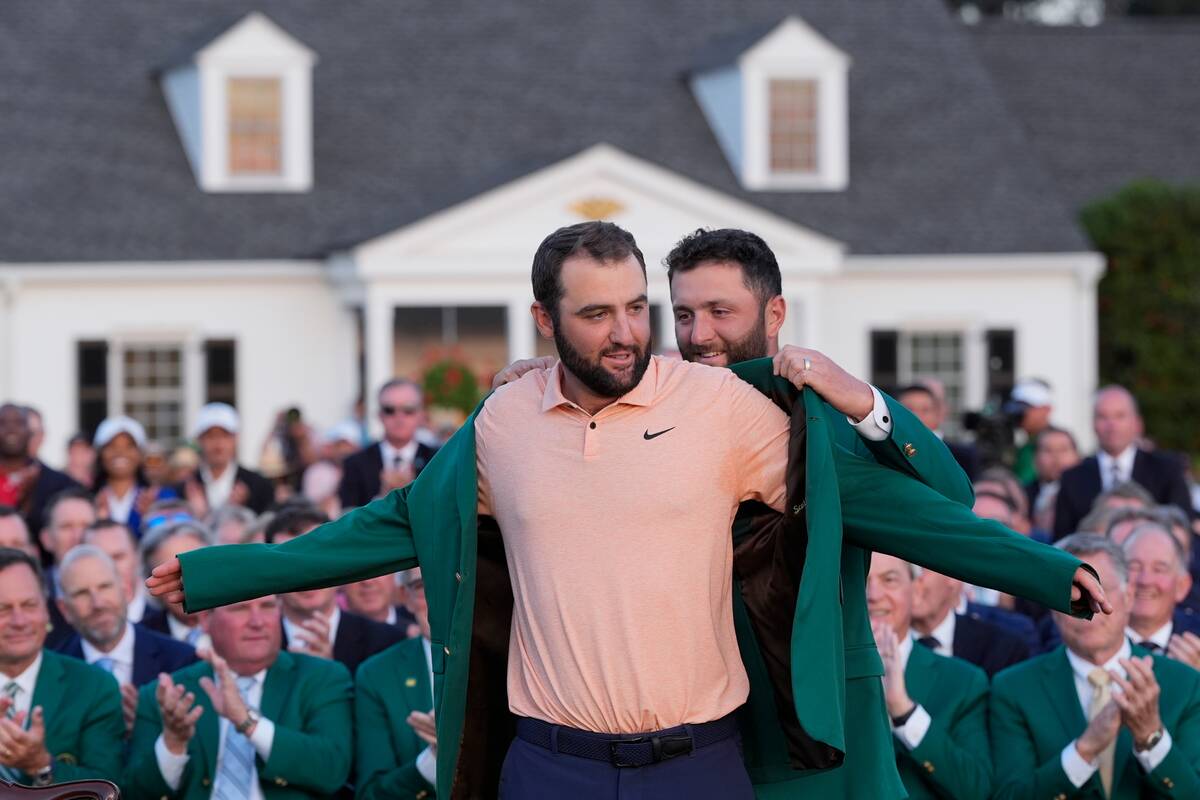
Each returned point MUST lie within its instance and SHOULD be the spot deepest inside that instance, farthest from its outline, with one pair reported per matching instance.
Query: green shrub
(1149, 304)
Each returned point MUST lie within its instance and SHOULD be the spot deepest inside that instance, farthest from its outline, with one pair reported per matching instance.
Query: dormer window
(793, 126)
(777, 106)
(255, 126)
(242, 104)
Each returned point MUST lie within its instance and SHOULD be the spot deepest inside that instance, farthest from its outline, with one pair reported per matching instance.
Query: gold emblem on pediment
(596, 207)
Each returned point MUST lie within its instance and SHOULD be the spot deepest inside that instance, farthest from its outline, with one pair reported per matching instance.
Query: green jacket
(309, 701)
(81, 705)
(433, 522)
(389, 686)
(953, 760)
(1035, 713)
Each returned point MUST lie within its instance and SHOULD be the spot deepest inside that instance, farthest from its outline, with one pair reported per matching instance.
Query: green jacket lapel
(50, 686)
(1059, 684)
(277, 686)
(418, 693)
(921, 673)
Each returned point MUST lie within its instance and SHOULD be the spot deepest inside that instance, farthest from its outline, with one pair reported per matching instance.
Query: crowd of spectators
(329, 691)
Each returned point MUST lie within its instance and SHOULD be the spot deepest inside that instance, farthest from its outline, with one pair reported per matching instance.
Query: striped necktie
(235, 767)
(11, 690)
(1101, 683)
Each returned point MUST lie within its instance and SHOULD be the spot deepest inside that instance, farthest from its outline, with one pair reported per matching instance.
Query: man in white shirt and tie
(250, 722)
(1097, 717)
(1160, 578)
(1118, 426)
(398, 457)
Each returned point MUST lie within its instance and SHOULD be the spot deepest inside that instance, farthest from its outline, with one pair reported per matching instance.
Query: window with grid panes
(255, 126)
(793, 125)
(938, 355)
(152, 383)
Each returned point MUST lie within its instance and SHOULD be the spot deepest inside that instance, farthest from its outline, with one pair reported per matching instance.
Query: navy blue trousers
(715, 771)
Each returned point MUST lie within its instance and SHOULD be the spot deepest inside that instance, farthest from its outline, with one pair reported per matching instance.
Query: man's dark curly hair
(760, 270)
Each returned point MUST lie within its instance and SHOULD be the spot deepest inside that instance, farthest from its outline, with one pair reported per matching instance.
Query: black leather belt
(636, 750)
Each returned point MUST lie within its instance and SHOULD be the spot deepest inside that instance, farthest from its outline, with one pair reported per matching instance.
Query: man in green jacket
(937, 704)
(249, 715)
(393, 699)
(435, 521)
(1097, 718)
(60, 719)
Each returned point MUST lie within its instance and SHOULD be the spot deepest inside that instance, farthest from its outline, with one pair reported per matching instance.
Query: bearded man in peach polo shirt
(615, 478)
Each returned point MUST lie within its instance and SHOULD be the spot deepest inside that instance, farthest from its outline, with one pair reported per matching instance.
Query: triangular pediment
(497, 232)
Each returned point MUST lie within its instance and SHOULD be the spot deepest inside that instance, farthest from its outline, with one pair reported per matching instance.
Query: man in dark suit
(1118, 426)
(395, 460)
(396, 742)
(938, 705)
(312, 621)
(920, 399)
(26, 483)
(1097, 718)
(93, 602)
(220, 480)
(938, 625)
(1055, 454)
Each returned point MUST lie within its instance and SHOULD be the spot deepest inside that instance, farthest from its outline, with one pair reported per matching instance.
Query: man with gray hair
(162, 543)
(1160, 578)
(398, 458)
(92, 600)
(1097, 717)
(1118, 428)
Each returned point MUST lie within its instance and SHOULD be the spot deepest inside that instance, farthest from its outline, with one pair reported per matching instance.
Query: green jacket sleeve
(317, 755)
(930, 461)
(369, 541)
(101, 734)
(142, 777)
(892, 513)
(915, 450)
(1015, 764)
(956, 750)
(385, 770)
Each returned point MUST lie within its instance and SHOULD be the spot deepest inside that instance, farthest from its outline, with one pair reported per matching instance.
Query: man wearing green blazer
(1097, 718)
(393, 698)
(250, 720)
(60, 719)
(937, 705)
(829, 488)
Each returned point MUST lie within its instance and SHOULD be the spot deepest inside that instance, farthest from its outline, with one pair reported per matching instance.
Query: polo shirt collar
(640, 395)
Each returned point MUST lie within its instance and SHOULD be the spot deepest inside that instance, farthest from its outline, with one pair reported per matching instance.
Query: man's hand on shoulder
(166, 581)
(518, 368)
(846, 393)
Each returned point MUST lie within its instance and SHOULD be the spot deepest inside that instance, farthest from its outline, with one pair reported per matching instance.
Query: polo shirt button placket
(589, 440)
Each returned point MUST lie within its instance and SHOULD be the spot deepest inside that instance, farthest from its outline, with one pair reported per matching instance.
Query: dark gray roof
(1103, 106)
(423, 104)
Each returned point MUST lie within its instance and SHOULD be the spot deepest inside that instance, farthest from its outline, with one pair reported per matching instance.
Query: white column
(666, 324)
(378, 318)
(522, 336)
(194, 389)
(974, 366)
(8, 344)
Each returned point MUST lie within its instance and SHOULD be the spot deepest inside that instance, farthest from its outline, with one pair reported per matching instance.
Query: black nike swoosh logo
(648, 435)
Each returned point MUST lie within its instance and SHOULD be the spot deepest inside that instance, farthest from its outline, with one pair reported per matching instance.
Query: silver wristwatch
(252, 717)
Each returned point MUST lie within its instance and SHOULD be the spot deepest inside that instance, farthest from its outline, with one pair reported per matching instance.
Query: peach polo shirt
(617, 533)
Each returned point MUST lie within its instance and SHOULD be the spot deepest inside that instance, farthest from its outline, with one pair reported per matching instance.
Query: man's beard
(593, 375)
(754, 345)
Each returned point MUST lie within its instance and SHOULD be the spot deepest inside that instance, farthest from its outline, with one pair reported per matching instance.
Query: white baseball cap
(1033, 392)
(216, 415)
(114, 426)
